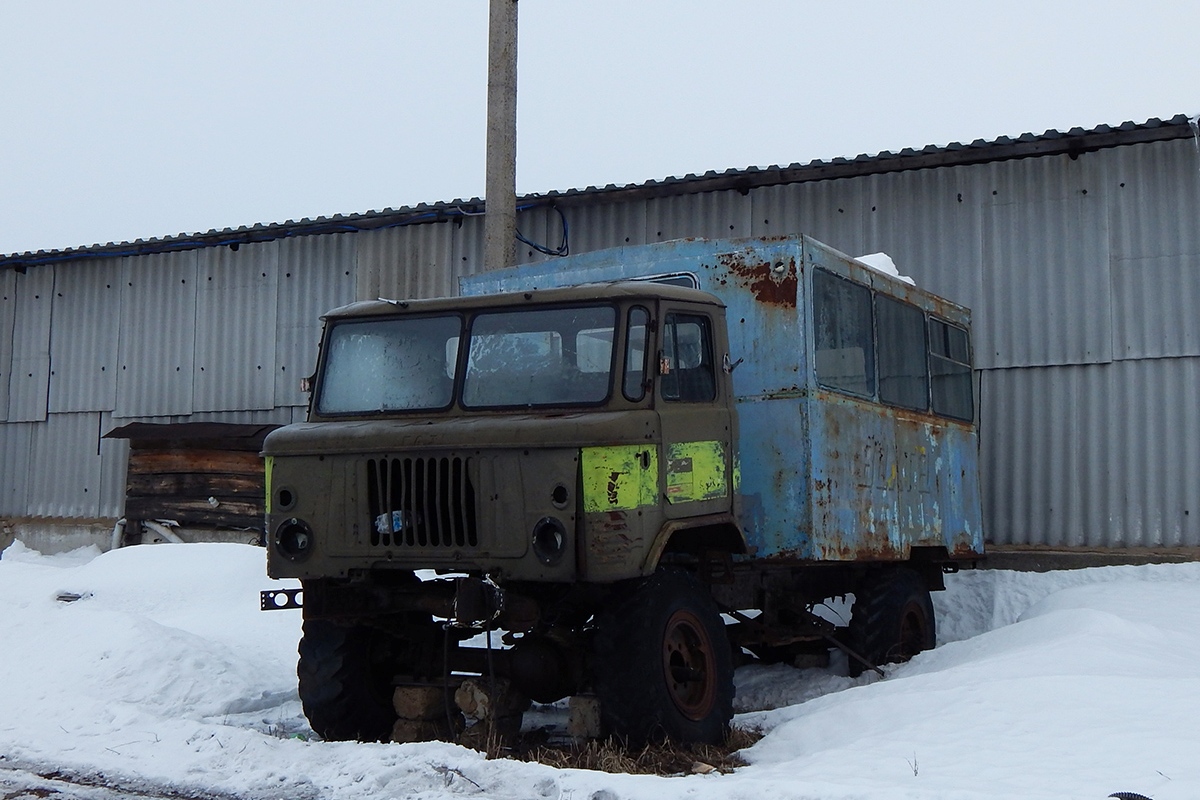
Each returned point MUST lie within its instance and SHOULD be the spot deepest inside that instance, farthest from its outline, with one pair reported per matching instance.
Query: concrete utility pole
(500, 222)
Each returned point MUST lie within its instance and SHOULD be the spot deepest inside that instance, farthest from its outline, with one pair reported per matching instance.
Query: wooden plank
(144, 462)
(177, 508)
(195, 485)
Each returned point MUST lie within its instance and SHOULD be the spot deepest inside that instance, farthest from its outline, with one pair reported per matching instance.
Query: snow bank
(164, 674)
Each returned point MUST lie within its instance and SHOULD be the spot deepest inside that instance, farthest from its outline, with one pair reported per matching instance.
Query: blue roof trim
(1073, 143)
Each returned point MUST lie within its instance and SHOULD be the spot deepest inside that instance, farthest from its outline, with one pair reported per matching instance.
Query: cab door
(694, 412)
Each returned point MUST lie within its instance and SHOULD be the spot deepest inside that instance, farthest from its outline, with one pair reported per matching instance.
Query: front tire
(345, 691)
(663, 666)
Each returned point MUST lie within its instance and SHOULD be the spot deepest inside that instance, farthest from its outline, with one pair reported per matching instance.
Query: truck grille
(421, 502)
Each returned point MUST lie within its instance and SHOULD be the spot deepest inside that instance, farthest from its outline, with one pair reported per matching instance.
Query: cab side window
(686, 370)
(633, 385)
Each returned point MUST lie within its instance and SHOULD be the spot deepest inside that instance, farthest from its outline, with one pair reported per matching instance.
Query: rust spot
(867, 547)
(772, 283)
(616, 521)
(963, 548)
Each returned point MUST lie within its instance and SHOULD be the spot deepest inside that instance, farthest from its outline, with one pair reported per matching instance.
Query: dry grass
(610, 755)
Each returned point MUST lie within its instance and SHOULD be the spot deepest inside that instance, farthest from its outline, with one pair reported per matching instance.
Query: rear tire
(663, 667)
(345, 687)
(892, 619)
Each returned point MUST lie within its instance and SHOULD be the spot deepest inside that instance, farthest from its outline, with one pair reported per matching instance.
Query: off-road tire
(345, 693)
(663, 666)
(892, 619)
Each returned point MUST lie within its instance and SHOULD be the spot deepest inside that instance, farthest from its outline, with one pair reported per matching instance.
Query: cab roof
(585, 293)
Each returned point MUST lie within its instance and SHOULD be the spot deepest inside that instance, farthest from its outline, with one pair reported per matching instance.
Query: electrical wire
(564, 247)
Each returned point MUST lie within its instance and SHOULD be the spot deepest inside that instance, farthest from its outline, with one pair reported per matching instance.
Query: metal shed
(1078, 251)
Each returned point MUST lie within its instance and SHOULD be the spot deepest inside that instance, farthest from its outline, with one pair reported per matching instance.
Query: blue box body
(824, 476)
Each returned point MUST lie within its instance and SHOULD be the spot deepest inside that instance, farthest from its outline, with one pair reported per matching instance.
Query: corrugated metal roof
(1052, 142)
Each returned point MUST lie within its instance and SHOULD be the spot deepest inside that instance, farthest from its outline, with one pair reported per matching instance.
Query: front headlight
(549, 540)
(294, 539)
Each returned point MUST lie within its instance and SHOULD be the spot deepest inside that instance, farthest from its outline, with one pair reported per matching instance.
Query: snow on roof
(882, 262)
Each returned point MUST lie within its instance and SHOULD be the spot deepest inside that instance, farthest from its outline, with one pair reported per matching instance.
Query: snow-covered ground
(164, 677)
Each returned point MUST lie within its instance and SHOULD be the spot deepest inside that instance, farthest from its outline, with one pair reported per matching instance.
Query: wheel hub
(688, 665)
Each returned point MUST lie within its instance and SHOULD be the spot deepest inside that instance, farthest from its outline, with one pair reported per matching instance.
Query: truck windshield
(390, 365)
(557, 356)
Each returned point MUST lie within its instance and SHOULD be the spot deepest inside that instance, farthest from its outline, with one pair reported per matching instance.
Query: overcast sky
(130, 118)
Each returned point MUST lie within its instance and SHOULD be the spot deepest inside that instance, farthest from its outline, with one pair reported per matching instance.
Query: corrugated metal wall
(213, 335)
(1083, 274)
(1101, 455)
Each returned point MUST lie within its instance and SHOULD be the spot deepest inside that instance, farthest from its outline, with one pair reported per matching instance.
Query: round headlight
(549, 540)
(294, 539)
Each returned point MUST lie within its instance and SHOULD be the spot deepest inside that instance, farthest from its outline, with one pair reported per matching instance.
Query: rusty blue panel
(825, 476)
(776, 507)
(884, 480)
